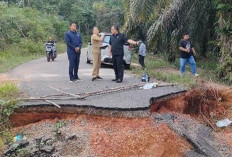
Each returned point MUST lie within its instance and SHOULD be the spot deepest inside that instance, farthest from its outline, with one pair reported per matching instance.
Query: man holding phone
(96, 42)
(186, 55)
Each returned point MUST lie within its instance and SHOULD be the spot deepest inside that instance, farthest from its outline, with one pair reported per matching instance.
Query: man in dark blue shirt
(116, 50)
(74, 44)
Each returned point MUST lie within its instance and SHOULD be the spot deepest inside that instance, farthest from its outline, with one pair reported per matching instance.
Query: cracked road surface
(38, 77)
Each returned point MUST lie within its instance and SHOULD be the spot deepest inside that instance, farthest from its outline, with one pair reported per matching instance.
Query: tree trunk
(225, 39)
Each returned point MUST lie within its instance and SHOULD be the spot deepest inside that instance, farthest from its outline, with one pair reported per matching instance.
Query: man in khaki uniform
(96, 42)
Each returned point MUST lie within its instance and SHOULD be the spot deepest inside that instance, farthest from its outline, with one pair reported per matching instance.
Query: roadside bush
(27, 25)
(8, 93)
(30, 47)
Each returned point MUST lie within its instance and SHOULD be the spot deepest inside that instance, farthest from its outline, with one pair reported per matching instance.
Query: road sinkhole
(175, 125)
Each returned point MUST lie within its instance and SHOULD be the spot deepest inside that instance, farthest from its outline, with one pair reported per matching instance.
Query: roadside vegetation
(9, 60)
(8, 94)
(161, 25)
(26, 25)
(23, 34)
(162, 70)
(158, 67)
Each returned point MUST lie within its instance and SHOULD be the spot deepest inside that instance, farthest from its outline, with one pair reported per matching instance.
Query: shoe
(114, 80)
(77, 79)
(118, 81)
(196, 75)
(73, 80)
(99, 78)
(93, 79)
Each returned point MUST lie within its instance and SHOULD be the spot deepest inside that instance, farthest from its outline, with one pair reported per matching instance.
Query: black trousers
(74, 61)
(141, 60)
(118, 66)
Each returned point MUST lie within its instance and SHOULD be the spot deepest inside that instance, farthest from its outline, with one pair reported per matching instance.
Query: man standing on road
(117, 41)
(74, 43)
(142, 53)
(186, 55)
(96, 42)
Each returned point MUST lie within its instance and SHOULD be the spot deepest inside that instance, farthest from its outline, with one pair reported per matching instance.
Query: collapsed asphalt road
(38, 78)
(152, 135)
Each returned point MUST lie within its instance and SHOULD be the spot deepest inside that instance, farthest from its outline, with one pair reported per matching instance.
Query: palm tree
(166, 20)
(140, 10)
(224, 15)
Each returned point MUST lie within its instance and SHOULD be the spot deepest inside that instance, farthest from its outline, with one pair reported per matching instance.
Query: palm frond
(140, 10)
(166, 17)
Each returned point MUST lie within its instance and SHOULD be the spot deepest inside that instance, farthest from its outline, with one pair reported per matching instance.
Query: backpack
(145, 78)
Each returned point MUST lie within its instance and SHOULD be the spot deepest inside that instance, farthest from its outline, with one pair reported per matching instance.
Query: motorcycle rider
(50, 40)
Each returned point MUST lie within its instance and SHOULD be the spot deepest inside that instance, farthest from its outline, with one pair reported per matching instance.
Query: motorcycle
(50, 51)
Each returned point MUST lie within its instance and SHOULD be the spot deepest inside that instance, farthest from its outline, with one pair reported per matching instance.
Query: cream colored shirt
(96, 43)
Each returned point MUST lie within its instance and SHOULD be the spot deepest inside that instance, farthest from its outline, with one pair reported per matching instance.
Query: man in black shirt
(186, 55)
(117, 41)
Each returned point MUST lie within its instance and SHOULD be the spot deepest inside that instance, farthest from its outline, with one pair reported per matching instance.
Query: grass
(14, 56)
(10, 58)
(8, 93)
(158, 67)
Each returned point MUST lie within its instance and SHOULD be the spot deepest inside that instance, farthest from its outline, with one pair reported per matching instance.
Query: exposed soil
(136, 137)
(5, 79)
(172, 128)
(107, 136)
(212, 103)
(205, 104)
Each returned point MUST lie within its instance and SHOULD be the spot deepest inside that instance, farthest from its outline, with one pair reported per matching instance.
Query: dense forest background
(26, 24)
(162, 23)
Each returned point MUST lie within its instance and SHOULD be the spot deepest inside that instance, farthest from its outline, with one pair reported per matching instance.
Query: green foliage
(8, 90)
(108, 13)
(165, 21)
(141, 9)
(224, 30)
(19, 53)
(60, 124)
(23, 32)
(20, 24)
(80, 12)
(7, 136)
(209, 23)
(155, 67)
(87, 13)
(8, 94)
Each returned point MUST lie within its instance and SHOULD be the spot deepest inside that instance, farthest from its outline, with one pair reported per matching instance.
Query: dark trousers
(118, 66)
(74, 61)
(141, 61)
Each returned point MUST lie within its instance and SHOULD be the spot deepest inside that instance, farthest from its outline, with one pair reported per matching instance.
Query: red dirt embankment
(110, 136)
(212, 103)
(206, 104)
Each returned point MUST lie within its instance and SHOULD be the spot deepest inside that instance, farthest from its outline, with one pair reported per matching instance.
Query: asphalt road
(37, 77)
